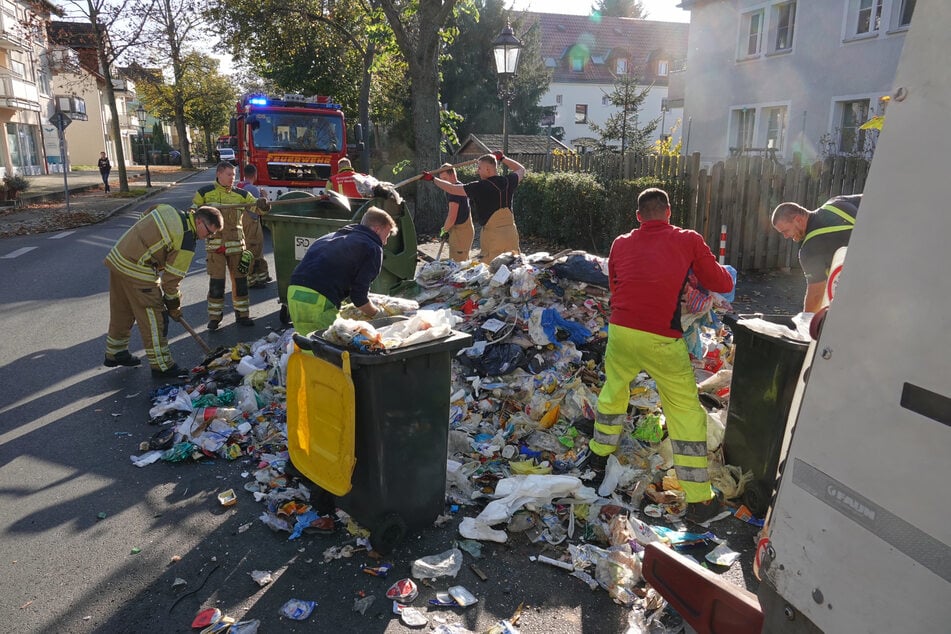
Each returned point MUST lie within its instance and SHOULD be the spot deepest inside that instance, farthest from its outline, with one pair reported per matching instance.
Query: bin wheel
(388, 533)
(756, 497)
(285, 315)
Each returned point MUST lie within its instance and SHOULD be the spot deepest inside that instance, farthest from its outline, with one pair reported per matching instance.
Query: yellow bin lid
(321, 420)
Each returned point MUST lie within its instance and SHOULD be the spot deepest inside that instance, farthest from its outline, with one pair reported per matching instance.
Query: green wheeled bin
(766, 371)
(294, 226)
(400, 444)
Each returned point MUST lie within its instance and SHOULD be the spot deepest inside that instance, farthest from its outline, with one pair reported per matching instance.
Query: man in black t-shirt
(491, 197)
(820, 233)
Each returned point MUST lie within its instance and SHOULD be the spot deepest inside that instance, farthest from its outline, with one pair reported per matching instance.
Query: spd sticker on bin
(301, 243)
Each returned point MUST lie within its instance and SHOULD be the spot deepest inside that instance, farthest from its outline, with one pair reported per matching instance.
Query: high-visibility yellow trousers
(309, 309)
(666, 359)
(254, 241)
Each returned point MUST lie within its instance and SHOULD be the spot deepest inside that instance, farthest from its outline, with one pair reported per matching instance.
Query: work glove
(427, 176)
(444, 233)
(173, 306)
(263, 204)
(499, 156)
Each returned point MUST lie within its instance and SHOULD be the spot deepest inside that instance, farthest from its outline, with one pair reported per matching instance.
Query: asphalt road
(68, 426)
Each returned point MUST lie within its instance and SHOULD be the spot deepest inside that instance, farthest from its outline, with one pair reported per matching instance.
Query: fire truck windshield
(301, 132)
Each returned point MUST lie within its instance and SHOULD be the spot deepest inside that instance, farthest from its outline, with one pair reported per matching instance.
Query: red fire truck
(292, 140)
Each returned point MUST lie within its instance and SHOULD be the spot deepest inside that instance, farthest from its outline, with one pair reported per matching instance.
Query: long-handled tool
(438, 170)
(442, 243)
(191, 331)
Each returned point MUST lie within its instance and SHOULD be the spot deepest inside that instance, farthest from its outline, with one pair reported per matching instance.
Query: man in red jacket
(647, 270)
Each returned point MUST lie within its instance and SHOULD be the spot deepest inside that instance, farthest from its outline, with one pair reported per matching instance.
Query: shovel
(191, 331)
(440, 170)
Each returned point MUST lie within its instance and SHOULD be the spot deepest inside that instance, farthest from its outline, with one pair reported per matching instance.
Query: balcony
(17, 93)
(10, 34)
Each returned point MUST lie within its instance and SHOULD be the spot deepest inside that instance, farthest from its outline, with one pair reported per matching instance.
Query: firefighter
(825, 230)
(337, 266)
(647, 270)
(146, 267)
(224, 252)
(491, 197)
(258, 276)
(344, 181)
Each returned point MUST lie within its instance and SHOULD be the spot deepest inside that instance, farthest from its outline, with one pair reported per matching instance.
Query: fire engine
(292, 140)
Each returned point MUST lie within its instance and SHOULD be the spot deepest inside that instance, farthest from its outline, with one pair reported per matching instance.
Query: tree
(417, 26)
(208, 97)
(624, 125)
(470, 81)
(620, 8)
(170, 34)
(313, 47)
(111, 30)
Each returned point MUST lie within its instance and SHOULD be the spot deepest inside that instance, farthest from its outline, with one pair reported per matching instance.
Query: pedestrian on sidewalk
(146, 268)
(223, 252)
(104, 168)
(258, 276)
(647, 270)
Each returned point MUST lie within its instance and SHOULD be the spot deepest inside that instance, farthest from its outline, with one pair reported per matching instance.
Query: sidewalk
(43, 206)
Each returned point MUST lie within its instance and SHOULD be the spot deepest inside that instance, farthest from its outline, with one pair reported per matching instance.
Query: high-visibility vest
(838, 212)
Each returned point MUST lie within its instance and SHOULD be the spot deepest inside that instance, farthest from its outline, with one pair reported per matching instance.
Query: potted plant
(13, 185)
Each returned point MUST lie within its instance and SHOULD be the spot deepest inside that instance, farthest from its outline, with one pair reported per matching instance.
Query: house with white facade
(780, 77)
(587, 54)
(79, 87)
(25, 92)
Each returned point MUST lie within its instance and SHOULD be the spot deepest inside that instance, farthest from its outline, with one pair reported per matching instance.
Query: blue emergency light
(258, 101)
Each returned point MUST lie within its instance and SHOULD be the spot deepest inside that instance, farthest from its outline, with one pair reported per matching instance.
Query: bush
(16, 183)
(577, 211)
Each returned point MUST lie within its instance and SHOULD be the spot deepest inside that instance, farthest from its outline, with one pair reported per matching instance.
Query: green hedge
(577, 211)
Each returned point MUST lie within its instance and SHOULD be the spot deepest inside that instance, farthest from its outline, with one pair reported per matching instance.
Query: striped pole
(722, 244)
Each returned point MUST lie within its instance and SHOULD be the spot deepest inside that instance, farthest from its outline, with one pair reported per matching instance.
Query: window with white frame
(902, 12)
(782, 21)
(558, 99)
(775, 120)
(742, 122)
(581, 113)
(606, 100)
(850, 117)
(577, 63)
(751, 33)
(663, 67)
(865, 17)
(620, 66)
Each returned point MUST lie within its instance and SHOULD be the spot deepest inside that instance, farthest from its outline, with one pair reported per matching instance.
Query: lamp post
(140, 113)
(506, 49)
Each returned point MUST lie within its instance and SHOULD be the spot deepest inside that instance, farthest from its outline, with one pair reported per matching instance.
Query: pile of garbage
(523, 402)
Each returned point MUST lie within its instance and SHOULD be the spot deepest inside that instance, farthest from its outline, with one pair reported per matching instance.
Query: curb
(155, 190)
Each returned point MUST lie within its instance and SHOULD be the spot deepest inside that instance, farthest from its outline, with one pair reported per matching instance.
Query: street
(67, 428)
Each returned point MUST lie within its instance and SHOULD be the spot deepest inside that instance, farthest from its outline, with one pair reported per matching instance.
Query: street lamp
(140, 113)
(506, 49)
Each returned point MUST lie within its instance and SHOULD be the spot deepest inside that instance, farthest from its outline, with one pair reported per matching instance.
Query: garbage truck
(294, 141)
(857, 538)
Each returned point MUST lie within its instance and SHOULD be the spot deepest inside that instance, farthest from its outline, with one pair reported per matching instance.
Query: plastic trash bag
(583, 267)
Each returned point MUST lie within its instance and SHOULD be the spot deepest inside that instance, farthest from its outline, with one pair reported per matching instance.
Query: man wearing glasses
(146, 268)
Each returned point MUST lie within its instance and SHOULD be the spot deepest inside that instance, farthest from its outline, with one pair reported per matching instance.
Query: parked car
(174, 157)
(227, 154)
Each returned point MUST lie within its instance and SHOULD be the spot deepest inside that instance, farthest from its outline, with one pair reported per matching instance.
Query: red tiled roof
(639, 41)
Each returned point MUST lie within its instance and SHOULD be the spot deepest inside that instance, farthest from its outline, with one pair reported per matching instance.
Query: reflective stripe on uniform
(689, 447)
(607, 433)
(838, 212)
(698, 475)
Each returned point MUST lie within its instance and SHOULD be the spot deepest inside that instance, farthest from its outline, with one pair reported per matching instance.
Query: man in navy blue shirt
(339, 265)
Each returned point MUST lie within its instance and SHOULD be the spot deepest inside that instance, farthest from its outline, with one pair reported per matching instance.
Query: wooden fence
(740, 193)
